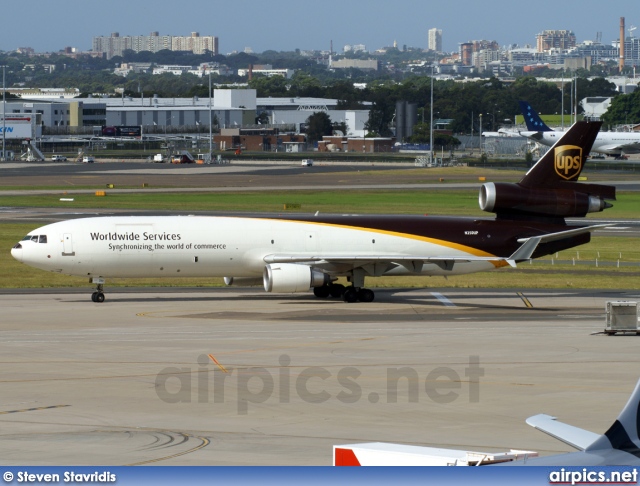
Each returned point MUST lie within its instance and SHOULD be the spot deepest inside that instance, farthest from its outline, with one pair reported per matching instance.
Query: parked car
(88, 159)
(58, 158)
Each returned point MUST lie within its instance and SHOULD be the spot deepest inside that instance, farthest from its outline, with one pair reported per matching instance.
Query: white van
(58, 158)
(88, 159)
(307, 162)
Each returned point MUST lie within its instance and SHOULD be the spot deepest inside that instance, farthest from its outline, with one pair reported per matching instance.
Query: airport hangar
(231, 108)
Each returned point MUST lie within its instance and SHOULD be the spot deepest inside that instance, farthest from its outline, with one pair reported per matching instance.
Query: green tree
(275, 86)
(318, 125)
(624, 109)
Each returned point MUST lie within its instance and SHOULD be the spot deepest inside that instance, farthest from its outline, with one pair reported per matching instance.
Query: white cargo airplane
(295, 253)
(608, 143)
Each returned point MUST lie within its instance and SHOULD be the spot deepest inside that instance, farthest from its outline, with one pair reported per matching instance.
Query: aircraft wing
(629, 148)
(575, 437)
(411, 262)
(415, 262)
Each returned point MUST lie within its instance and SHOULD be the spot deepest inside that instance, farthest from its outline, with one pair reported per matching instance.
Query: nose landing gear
(98, 295)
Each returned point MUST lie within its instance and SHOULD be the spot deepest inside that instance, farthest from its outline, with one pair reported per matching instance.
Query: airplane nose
(16, 252)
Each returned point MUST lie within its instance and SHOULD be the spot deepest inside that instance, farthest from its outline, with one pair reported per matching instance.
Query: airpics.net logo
(568, 161)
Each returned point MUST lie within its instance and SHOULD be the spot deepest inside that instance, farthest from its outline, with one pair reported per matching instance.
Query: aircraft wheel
(321, 292)
(336, 290)
(99, 297)
(350, 295)
(365, 295)
(93, 296)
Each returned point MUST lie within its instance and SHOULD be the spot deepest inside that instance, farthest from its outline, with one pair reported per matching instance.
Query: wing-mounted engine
(291, 277)
(565, 200)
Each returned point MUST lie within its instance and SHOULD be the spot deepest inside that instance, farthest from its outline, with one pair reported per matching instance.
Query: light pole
(480, 134)
(562, 100)
(4, 111)
(210, 122)
(431, 121)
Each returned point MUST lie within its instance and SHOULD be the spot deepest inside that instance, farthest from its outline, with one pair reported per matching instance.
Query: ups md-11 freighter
(290, 254)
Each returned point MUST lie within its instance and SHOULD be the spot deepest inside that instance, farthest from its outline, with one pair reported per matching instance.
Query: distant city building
(268, 72)
(435, 40)
(631, 51)
(114, 45)
(598, 52)
(466, 53)
(355, 48)
(25, 50)
(484, 58)
(468, 49)
(177, 70)
(555, 39)
(364, 64)
(573, 63)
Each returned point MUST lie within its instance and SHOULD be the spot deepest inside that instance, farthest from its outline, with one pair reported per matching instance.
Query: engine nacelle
(506, 198)
(243, 281)
(291, 277)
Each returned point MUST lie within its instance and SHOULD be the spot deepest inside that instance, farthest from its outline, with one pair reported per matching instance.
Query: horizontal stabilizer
(575, 437)
(529, 245)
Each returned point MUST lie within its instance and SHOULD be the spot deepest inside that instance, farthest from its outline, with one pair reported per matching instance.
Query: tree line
(461, 102)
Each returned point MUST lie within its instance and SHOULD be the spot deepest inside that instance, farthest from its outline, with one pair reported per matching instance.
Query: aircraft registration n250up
(296, 253)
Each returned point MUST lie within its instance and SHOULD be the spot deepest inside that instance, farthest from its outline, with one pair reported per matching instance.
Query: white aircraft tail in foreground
(618, 446)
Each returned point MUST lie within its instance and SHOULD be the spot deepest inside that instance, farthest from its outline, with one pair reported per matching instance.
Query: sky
(285, 25)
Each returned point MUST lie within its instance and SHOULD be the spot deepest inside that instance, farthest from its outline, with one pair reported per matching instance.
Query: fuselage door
(67, 245)
(311, 241)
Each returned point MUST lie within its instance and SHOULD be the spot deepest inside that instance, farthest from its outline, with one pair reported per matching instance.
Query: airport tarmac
(239, 377)
(128, 177)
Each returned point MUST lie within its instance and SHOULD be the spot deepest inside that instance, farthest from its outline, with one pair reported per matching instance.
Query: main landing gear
(348, 294)
(98, 295)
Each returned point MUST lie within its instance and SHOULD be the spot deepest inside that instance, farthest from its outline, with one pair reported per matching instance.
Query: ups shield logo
(568, 161)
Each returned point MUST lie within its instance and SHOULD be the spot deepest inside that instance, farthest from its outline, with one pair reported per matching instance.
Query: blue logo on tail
(532, 119)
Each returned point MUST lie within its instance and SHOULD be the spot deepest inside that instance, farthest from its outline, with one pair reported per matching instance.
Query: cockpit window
(35, 238)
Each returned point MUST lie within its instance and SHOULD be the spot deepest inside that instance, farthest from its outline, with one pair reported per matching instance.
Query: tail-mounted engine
(566, 200)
